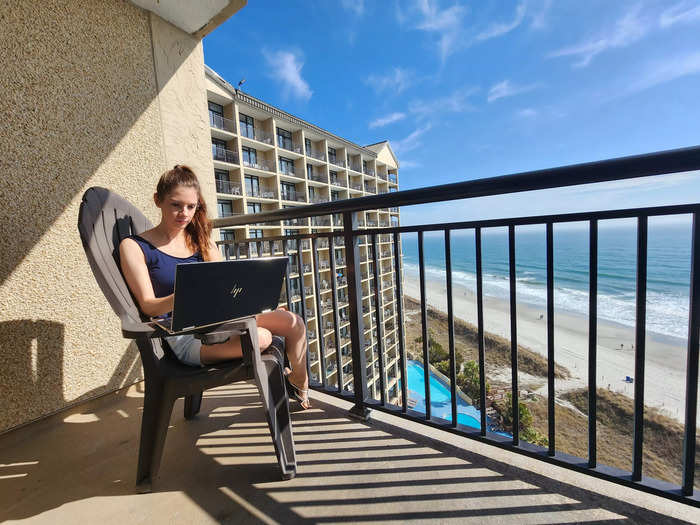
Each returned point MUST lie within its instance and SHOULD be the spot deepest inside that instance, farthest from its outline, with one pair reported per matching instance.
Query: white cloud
(506, 89)
(410, 164)
(500, 29)
(666, 71)
(626, 31)
(355, 6)
(398, 80)
(456, 102)
(539, 14)
(526, 113)
(681, 13)
(389, 119)
(286, 68)
(410, 142)
(445, 23)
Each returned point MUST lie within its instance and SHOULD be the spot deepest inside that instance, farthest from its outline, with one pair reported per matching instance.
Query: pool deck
(79, 466)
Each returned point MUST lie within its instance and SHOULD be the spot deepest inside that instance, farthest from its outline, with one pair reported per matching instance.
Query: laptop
(210, 293)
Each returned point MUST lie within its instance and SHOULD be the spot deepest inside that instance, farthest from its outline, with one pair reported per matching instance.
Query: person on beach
(148, 263)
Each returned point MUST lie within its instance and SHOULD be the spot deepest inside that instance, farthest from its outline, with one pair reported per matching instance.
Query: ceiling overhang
(195, 18)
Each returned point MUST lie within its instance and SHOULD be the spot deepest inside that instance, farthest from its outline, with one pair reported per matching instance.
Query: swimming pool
(440, 398)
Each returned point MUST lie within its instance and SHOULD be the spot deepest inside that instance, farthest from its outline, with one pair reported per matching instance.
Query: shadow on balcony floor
(79, 466)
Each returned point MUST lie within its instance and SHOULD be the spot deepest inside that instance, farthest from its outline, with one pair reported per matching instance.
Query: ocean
(668, 274)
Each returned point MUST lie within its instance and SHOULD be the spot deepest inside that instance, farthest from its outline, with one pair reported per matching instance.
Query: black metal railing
(371, 363)
(224, 155)
(225, 186)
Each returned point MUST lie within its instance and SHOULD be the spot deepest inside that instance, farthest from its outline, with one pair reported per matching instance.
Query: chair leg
(278, 417)
(193, 404)
(157, 408)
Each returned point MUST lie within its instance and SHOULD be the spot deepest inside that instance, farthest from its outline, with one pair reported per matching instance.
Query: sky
(466, 90)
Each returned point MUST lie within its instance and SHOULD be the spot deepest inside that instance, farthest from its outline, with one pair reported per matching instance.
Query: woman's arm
(133, 264)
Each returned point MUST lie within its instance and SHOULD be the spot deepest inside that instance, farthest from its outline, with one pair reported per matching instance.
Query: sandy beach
(665, 356)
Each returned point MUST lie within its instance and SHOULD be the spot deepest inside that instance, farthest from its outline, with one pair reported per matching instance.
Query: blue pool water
(440, 398)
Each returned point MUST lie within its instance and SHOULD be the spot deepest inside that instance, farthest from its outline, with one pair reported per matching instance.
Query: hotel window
(286, 165)
(252, 185)
(253, 246)
(227, 235)
(225, 208)
(254, 207)
(216, 108)
(284, 139)
(335, 195)
(223, 184)
(250, 156)
(364, 166)
(247, 125)
(216, 115)
(312, 193)
(221, 175)
(289, 191)
(307, 145)
(291, 243)
(309, 171)
(332, 155)
(334, 177)
(218, 148)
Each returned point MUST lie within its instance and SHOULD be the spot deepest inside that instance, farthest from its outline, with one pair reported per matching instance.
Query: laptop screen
(209, 293)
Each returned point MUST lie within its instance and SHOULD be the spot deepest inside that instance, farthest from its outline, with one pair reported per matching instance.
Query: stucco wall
(79, 96)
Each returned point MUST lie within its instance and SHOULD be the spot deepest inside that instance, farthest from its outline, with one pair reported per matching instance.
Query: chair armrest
(136, 329)
(222, 332)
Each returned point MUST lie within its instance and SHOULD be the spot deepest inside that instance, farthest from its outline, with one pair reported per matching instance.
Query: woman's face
(178, 207)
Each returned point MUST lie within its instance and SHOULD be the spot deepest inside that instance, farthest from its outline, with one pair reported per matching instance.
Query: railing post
(357, 329)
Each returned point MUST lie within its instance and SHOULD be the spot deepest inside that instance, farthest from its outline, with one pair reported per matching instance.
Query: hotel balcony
(230, 188)
(318, 155)
(257, 135)
(79, 466)
(261, 193)
(290, 147)
(371, 458)
(218, 122)
(224, 155)
(337, 162)
(379, 343)
(318, 178)
(263, 166)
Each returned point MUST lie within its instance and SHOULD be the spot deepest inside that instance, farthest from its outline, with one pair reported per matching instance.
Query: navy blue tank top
(161, 266)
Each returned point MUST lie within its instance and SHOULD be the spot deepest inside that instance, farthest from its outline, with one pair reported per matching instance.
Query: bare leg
(290, 326)
(231, 349)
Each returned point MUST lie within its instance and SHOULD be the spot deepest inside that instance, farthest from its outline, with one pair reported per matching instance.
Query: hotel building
(266, 159)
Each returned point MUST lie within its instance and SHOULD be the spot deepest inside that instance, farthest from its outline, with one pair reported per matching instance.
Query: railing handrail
(658, 163)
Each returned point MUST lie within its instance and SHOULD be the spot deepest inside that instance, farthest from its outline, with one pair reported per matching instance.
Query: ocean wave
(667, 312)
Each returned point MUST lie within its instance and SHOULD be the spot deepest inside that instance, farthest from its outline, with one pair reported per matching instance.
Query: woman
(183, 235)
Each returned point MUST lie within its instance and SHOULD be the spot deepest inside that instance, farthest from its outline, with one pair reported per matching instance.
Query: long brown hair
(199, 229)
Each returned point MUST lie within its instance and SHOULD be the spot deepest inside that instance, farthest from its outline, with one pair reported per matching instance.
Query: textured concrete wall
(80, 106)
(183, 103)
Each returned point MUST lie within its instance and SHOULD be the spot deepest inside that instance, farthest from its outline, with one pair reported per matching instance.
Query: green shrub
(468, 381)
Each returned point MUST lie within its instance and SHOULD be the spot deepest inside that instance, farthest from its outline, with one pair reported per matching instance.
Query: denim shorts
(186, 348)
